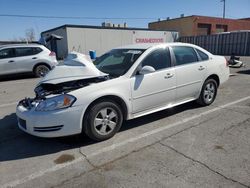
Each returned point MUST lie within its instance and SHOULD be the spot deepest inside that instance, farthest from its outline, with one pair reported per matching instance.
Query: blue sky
(15, 27)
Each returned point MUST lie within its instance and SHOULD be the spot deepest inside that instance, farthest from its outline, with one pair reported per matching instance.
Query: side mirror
(146, 70)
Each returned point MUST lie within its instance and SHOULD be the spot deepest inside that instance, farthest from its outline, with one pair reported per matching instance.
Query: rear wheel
(41, 70)
(103, 120)
(208, 92)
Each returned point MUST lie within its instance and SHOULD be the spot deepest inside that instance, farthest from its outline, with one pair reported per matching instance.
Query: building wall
(83, 39)
(62, 45)
(189, 26)
(232, 24)
(102, 40)
(184, 26)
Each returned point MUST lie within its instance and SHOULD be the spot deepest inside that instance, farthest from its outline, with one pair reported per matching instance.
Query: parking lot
(186, 146)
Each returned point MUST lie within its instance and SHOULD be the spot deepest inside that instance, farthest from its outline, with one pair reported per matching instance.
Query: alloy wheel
(105, 121)
(209, 92)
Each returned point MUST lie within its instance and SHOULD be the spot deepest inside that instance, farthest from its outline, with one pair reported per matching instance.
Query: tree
(30, 35)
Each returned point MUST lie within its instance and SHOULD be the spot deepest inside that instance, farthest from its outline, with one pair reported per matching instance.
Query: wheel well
(215, 77)
(41, 64)
(113, 98)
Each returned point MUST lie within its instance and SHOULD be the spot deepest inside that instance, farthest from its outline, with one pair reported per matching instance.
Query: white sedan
(125, 83)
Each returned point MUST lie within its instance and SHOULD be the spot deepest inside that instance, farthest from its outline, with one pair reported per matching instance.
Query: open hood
(75, 67)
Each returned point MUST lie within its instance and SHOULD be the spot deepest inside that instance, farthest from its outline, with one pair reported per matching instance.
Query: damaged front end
(77, 72)
(52, 113)
(45, 89)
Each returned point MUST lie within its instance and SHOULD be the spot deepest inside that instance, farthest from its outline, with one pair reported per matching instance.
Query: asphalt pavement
(186, 146)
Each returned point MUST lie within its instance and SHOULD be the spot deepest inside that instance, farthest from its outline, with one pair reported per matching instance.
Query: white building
(82, 38)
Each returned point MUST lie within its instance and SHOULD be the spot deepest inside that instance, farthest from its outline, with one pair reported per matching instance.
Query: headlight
(55, 103)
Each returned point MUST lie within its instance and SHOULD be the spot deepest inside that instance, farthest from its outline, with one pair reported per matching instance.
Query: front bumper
(57, 123)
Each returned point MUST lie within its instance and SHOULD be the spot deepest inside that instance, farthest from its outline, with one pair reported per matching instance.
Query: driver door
(154, 89)
(7, 61)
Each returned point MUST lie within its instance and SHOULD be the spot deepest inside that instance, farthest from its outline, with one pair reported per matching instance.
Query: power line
(75, 17)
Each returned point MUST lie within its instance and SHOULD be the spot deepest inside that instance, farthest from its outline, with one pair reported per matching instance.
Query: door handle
(169, 75)
(11, 61)
(34, 58)
(201, 68)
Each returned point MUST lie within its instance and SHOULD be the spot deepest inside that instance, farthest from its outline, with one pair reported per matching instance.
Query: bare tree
(30, 35)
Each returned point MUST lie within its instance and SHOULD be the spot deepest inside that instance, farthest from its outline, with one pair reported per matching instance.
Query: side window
(159, 59)
(202, 55)
(6, 53)
(184, 55)
(23, 51)
(36, 50)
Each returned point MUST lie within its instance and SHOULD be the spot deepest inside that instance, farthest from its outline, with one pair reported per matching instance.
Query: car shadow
(158, 115)
(16, 77)
(15, 144)
(244, 71)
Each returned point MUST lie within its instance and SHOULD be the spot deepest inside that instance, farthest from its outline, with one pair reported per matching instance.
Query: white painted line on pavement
(41, 173)
(160, 129)
(114, 146)
(8, 104)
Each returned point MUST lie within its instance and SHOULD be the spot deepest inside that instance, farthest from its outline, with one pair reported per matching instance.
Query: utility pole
(224, 7)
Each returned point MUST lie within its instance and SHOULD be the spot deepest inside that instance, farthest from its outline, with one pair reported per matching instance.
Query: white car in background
(125, 83)
(24, 58)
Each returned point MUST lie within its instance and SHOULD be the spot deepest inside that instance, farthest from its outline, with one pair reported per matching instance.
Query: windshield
(118, 61)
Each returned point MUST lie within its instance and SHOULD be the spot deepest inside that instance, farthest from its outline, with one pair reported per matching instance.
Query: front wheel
(103, 120)
(208, 92)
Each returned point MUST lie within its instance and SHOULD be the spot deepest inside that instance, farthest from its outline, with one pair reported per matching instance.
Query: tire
(208, 92)
(103, 120)
(41, 70)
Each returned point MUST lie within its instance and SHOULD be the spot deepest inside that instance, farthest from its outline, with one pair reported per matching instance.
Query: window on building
(204, 29)
(221, 28)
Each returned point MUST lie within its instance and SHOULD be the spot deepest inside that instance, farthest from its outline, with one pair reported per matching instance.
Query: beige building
(82, 38)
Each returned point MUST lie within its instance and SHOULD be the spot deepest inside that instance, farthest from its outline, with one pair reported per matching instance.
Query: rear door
(190, 72)
(7, 61)
(25, 58)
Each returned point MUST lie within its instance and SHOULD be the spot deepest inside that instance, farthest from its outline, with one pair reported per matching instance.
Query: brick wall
(188, 26)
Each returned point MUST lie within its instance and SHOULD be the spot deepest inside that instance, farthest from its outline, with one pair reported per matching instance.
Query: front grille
(22, 123)
(48, 129)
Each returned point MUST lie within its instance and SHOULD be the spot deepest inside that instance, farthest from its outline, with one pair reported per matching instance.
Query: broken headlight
(55, 103)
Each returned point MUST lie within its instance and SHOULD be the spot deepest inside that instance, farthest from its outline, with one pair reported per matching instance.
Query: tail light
(52, 54)
(226, 61)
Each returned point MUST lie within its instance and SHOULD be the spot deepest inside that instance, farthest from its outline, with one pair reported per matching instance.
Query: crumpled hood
(75, 67)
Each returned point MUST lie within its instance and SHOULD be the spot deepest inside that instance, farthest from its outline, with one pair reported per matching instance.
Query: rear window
(202, 55)
(36, 50)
